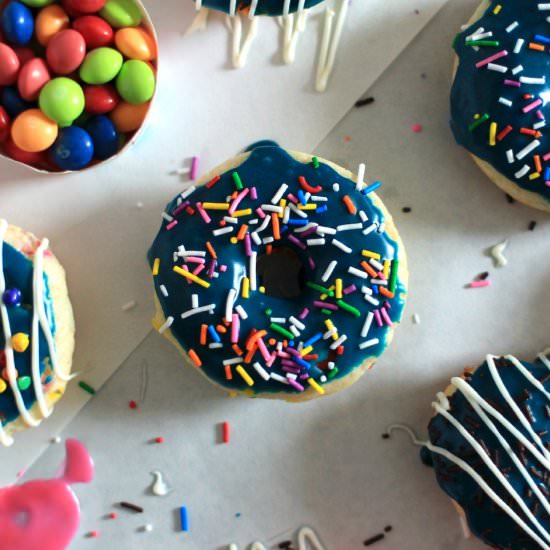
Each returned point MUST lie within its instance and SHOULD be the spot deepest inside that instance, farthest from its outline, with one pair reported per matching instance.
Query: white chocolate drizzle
(307, 540)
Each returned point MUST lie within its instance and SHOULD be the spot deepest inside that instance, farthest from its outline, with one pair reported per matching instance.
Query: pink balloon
(32, 77)
(66, 51)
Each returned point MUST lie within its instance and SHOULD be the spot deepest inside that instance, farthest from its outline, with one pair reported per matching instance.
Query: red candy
(24, 54)
(96, 31)
(66, 51)
(32, 77)
(38, 160)
(101, 99)
(4, 129)
(9, 65)
(79, 7)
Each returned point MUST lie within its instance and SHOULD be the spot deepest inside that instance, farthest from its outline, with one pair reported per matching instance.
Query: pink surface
(45, 514)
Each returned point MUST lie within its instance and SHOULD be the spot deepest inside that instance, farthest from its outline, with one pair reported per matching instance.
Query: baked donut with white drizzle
(36, 332)
(279, 275)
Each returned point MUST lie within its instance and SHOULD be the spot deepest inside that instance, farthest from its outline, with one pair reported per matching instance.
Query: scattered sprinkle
(417, 128)
(130, 506)
(132, 405)
(225, 432)
(184, 519)
(497, 252)
(129, 306)
(532, 225)
(159, 439)
(416, 319)
(365, 101)
(373, 540)
(86, 387)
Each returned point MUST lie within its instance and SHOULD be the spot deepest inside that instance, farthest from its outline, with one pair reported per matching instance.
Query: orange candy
(33, 131)
(50, 21)
(136, 43)
(127, 117)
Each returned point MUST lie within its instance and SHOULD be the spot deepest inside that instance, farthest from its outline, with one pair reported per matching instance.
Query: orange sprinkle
(221, 328)
(269, 249)
(349, 204)
(534, 46)
(538, 164)
(228, 373)
(194, 357)
(242, 232)
(385, 292)
(204, 329)
(272, 341)
(237, 350)
(369, 269)
(504, 133)
(251, 342)
(275, 223)
(250, 355)
(210, 249)
(529, 132)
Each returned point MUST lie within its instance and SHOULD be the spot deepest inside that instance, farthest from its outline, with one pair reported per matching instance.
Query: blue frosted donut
(279, 277)
(499, 97)
(264, 7)
(501, 393)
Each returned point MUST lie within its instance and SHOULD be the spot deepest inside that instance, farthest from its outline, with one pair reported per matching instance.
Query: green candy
(136, 82)
(62, 100)
(37, 3)
(24, 383)
(121, 13)
(101, 66)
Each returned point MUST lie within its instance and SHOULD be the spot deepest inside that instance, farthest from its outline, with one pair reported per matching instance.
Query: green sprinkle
(320, 289)
(482, 43)
(348, 308)
(24, 383)
(268, 311)
(282, 330)
(315, 162)
(332, 373)
(238, 182)
(87, 388)
(478, 122)
(326, 311)
(393, 276)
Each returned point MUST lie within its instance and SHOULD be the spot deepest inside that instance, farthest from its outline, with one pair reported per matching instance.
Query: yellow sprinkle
(282, 204)
(339, 287)
(534, 176)
(234, 240)
(245, 376)
(387, 267)
(493, 134)
(246, 288)
(191, 277)
(316, 386)
(311, 206)
(156, 267)
(328, 324)
(3, 386)
(497, 9)
(262, 289)
(245, 212)
(306, 351)
(215, 205)
(369, 254)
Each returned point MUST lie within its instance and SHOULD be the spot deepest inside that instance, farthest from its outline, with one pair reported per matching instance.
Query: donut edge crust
(529, 198)
(64, 321)
(330, 387)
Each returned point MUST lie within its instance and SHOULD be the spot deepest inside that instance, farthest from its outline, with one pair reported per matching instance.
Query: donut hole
(281, 273)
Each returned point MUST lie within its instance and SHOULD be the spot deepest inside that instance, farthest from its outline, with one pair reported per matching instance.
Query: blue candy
(104, 135)
(17, 23)
(73, 149)
(14, 103)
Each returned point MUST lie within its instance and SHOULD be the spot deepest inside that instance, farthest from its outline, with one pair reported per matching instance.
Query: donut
(490, 446)
(499, 94)
(259, 7)
(279, 275)
(37, 331)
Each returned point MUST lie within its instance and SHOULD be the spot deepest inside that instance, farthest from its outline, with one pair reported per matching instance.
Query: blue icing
(18, 272)
(267, 168)
(486, 520)
(477, 91)
(264, 7)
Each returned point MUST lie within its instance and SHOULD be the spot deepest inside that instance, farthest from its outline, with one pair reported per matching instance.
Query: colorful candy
(122, 13)
(136, 82)
(4, 125)
(103, 135)
(51, 20)
(100, 99)
(135, 43)
(9, 65)
(17, 23)
(62, 99)
(73, 149)
(32, 131)
(66, 51)
(101, 65)
(33, 76)
(96, 31)
(128, 117)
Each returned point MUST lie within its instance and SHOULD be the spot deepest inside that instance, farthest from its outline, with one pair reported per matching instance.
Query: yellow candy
(20, 342)
(136, 43)
(3, 386)
(50, 21)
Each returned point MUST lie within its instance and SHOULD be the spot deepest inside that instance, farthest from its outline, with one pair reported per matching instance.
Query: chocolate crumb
(407, 209)
(363, 102)
(374, 539)
(532, 225)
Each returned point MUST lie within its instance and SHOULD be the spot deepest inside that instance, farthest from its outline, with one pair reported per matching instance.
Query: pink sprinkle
(532, 106)
(203, 213)
(386, 317)
(172, 224)
(513, 83)
(181, 207)
(283, 354)
(21, 473)
(235, 327)
(480, 284)
(546, 157)
(271, 360)
(490, 59)
(417, 128)
(540, 115)
(195, 260)
(223, 268)
(378, 318)
(349, 289)
(325, 305)
(260, 212)
(298, 243)
(212, 268)
(295, 384)
(292, 198)
(304, 314)
(547, 183)
(238, 200)
(311, 262)
(247, 245)
(253, 193)
(263, 350)
(194, 168)
(198, 269)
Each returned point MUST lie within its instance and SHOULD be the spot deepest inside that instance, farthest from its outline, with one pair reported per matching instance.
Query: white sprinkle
(261, 371)
(330, 333)
(194, 301)
(252, 271)
(294, 331)
(197, 310)
(286, 215)
(323, 378)
(416, 319)
(148, 528)
(167, 217)
(187, 192)
(481, 35)
(55, 439)
(279, 378)
(256, 238)
(496, 67)
(166, 325)
(291, 376)
(322, 230)
(510, 156)
(280, 320)
(336, 344)
(215, 345)
(371, 300)
(164, 291)
(297, 211)
(331, 365)
(129, 306)
(519, 45)
(268, 240)
(233, 546)
(279, 194)
(382, 282)
(315, 242)
(363, 216)
(242, 313)
(319, 198)
(253, 222)
(298, 323)
(233, 361)
(517, 69)
(532, 80)
(539, 125)
(185, 253)
(231, 296)
(497, 252)
(366, 290)
(328, 271)
(505, 101)
(512, 26)
(544, 6)
(264, 224)
(370, 229)
(382, 227)
(527, 150)
(358, 272)
(523, 172)
(271, 208)
(222, 231)
(369, 343)
(230, 219)
(366, 326)
(336, 187)
(349, 226)
(361, 177)
(341, 246)
(305, 228)
(376, 264)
